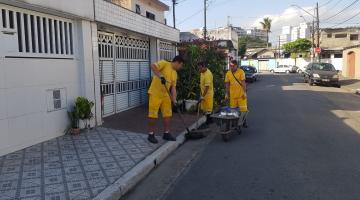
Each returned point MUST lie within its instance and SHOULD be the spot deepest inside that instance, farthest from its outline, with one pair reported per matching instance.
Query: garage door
(124, 71)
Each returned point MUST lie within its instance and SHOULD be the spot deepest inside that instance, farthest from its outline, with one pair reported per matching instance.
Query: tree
(297, 47)
(266, 25)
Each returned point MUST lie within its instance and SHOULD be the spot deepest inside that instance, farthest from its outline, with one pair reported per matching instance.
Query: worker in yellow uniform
(162, 94)
(207, 91)
(236, 88)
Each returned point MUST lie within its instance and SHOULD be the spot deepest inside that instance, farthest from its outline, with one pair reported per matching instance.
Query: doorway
(351, 64)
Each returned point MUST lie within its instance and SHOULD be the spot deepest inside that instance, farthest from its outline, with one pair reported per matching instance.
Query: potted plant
(80, 112)
(84, 107)
(74, 128)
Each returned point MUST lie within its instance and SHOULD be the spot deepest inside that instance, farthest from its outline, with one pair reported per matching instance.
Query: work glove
(163, 80)
(175, 107)
(226, 97)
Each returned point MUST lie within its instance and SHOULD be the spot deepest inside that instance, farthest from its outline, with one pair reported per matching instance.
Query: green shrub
(189, 77)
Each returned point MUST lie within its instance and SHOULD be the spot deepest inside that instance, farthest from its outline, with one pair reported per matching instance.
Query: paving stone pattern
(71, 167)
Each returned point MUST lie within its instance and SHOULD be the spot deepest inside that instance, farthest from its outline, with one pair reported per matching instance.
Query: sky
(248, 13)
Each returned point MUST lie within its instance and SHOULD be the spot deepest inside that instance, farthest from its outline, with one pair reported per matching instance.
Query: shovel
(190, 135)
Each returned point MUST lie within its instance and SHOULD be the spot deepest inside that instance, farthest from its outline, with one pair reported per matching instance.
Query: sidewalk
(135, 120)
(102, 163)
(352, 85)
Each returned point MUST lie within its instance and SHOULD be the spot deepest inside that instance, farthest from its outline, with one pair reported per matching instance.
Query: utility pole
(313, 40)
(205, 29)
(279, 53)
(318, 28)
(174, 4)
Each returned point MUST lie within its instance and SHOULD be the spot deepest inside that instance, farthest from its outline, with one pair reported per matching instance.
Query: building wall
(328, 38)
(357, 62)
(27, 114)
(117, 16)
(147, 5)
(82, 8)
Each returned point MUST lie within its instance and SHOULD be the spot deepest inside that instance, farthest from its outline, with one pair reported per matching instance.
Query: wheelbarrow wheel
(225, 137)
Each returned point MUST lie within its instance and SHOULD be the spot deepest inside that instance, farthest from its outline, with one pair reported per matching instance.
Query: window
(329, 35)
(56, 99)
(354, 37)
(137, 9)
(326, 55)
(38, 34)
(150, 15)
(338, 55)
(341, 35)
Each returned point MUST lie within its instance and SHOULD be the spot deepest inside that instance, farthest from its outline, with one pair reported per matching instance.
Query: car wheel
(287, 71)
(272, 71)
(300, 71)
(338, 86)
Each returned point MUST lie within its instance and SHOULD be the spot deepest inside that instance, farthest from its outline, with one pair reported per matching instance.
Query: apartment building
(223, 33)
(252, 32)
(292, 33)
(53, 51)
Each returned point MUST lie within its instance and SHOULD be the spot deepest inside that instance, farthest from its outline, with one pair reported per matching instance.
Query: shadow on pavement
(135, 120)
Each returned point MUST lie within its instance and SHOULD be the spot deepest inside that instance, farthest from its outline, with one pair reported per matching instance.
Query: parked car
(283, 69)
(301, 70)
(250, 73)
(294, 69)
(322, 73)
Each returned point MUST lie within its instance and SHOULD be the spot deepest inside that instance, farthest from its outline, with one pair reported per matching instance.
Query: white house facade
(54, 51)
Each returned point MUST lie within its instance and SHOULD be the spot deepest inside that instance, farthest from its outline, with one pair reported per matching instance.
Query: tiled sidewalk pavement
(352, 85)
(71, 167)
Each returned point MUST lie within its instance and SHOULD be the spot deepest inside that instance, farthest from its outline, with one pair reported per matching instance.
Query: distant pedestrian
(236, 88)
(162, 94)
(207, 91)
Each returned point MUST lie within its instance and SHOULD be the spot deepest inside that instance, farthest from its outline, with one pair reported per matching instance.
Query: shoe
(152, 139)
(168, 137)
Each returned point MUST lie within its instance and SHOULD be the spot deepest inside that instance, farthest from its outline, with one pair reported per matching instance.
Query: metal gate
(124, 71)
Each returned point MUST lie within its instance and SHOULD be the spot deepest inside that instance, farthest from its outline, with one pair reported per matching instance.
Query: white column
(96, 73)
(154, 49)
(88, 66)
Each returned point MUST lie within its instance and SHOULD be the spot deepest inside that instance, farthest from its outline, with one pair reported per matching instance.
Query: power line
(357, 14)
(328, 2)
(336, 4)
(341, 11)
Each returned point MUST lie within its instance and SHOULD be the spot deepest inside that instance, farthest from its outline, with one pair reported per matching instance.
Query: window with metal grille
(338, 55)
(38, 34)
(342, 35)
(137, 9)
(150, 15)
(354, 37)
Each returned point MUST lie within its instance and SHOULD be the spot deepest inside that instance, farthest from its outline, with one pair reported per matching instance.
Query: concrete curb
(352, 90)
(142, 169)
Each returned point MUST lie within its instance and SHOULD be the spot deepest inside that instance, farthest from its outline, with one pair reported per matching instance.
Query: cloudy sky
(247, 14)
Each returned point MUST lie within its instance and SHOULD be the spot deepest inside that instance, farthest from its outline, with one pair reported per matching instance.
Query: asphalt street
(303, 143)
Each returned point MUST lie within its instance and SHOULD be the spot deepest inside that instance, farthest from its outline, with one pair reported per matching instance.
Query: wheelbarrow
(229, 121)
